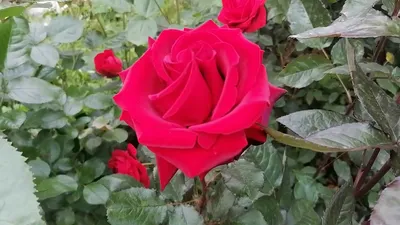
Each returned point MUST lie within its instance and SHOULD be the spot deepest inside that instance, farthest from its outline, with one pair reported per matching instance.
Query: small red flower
(125, 162)
(107, 64)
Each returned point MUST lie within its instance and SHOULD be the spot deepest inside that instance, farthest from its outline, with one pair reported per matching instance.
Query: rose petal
(227, 60)
(151, 129)
(258, 21)
(163, 47)
(250, 58)
(193, 106)
(246, 112)
(202, 160)
(165, 171)
(190, 39)
(213, 78)
(132, 150)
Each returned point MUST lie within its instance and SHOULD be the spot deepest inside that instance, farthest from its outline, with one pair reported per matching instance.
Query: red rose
(247, 15)
(107, 64)
(125, 162)
(193, 97)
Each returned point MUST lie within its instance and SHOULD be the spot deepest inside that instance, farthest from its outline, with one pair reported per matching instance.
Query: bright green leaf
(65, 29)
(266, 158)
(12, 120)
(5, 31)
(185, 215)
(304, 15)
(139, 29)
(96, 194)
(341, 208)
(342, 169)
(45, 54)
(118, 182)
(32, 90)
(304, 70)
(39, 168)
(136, 206)
(302, 213)
(243, 177)
(11, 11)
(119, 135)
(269, 208)
(18, 203)
(98, 101)
(177, 187)
(382, 108)
(56, 186)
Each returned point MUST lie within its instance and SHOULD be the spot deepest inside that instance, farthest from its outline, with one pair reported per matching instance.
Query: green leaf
(118, 182)
(90, 170)
(139, 29)
(357, 7)
(12, 120)
(46, 118)
(333, 130)
(39, 168)
(185, 215)
(72, 106)
(369, 24)
(98, 101)
(48, 73)
(304, 15)
(49, 150)
(339, 54)
(119, 135)
(148, 8)
(308, 122)
(252, 217)
(92, 144)
(304, 70)
(18, 203)
(177, 187)
(341, 208)
(65, 29)
(119, 6)
(220, 201)
(277, 9)
(64, 164)
(285, 193)
(342, 169)
(45, 54)
(37, 32)
(56, 186)
(267, 158)
(306, 188)
(269, 208)
(11, 11)
(96, 194)
(242, 177)
(302, 213)
(32, 90)
(375, 101)
(136, 206)
(5, 31)
(65, 217)
(18, 49)
(386, 210)
(369, 67)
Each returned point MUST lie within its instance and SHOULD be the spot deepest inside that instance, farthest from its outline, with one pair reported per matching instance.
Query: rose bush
(196, 96)
(107, 64)
(247, 15)
(125, 162)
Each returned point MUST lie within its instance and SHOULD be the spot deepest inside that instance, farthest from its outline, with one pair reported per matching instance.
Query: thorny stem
(148, 164)
(178, 13)
(162, 12)
(374, 180)
(101, 25)
(363, 172)
(203, 200)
